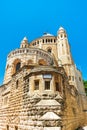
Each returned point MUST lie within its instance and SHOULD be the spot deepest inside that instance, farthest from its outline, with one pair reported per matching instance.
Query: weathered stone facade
(42, 89)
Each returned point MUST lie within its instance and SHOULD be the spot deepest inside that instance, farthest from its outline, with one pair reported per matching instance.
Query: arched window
(17, 83)
(42, 62)
(7, 127)
(46, 40)
(18, 65)
(54, 40)
(43, 40)
(49, 50)
(61, 36)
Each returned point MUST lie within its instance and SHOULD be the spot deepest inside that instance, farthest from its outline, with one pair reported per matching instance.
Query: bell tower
(64, 55)
(63, 47)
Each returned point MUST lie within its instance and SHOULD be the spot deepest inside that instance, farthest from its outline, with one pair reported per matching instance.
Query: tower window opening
(54, 40)
(46, 40)
(51, 40)
(61, 35)
(47, 85)
(43, 40)
(18, 65)
(37, 42)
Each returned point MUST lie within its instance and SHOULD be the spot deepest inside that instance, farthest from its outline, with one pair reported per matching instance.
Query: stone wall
(37, 110)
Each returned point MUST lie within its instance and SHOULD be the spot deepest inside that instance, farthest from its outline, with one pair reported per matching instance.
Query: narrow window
(51, 40)
(18, 66)
(69, 77)
(36, 82)
(37, 42)
(16, 127)
(47, 85)
(57, 86)
(46, 40)
(72, 78)
(79, 78)
(43, 40)
(61, 35)
(17, 84)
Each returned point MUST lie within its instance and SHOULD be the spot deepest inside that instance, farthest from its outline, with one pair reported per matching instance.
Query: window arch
(16, 65)
(42, 62)
(30, 61)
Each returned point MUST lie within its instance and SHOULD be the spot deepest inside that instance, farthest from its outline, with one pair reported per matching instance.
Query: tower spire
(24, 43)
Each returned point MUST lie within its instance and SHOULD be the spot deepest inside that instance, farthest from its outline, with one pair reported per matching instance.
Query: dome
(61, 28)
(47, 34)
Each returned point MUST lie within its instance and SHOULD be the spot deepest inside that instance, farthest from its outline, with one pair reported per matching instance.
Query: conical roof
(24, 43)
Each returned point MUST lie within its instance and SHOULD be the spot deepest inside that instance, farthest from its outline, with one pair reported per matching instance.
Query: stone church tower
(42, 89)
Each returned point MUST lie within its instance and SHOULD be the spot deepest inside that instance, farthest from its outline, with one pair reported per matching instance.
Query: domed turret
(24, 43)
(61, 33)
(63, 47)
(61, 29)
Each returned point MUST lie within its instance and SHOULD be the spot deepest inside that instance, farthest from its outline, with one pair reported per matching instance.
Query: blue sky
(30, 18)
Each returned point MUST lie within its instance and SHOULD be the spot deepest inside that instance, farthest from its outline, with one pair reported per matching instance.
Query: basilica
(42, 88)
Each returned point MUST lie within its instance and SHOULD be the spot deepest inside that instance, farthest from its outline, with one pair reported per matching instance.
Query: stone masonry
(42, 88)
